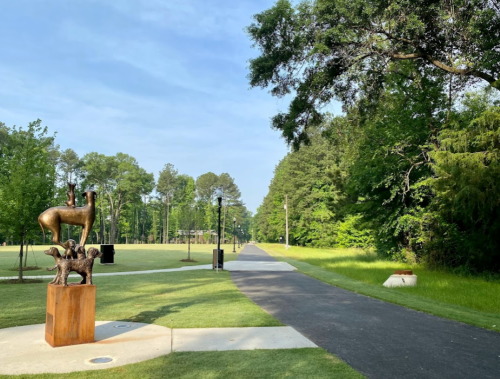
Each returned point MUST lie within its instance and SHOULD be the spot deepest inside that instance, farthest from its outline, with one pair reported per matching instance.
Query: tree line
(412, 166)
(131, 207)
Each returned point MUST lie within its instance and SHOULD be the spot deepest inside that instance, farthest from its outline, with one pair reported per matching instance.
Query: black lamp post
(220, 256)
(239, 236)
(234, 234)
(219, 199)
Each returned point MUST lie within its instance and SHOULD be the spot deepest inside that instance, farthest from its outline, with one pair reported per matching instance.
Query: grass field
(468, 299)
(127, 258)
(188, 299)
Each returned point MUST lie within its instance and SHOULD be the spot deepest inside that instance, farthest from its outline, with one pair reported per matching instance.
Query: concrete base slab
(221, 339)
(23, 350)
(119, 343)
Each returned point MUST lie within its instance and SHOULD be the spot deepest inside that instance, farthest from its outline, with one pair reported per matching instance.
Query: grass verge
(470, 300)
(188, 299)
(255, 364)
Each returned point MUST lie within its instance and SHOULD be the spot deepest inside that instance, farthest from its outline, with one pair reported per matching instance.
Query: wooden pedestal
(70, 318)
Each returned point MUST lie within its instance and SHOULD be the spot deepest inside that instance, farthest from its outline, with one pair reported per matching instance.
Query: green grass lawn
(473, 300)
(187, 299)
(127, 258)
(255, 364)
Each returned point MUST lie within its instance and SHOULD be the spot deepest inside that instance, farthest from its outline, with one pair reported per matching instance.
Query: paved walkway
(250, 265)
(381, 340)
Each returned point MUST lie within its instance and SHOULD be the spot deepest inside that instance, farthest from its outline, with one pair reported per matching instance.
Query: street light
(218, 258)
(286, 217)
(234, 234)
(239, 236)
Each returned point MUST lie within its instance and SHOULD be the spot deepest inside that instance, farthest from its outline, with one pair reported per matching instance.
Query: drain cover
(122, 326)
(101, 360)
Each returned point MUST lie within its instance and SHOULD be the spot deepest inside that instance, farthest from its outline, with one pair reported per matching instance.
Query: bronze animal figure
(81, 266)
(70, 252)
(80, 252)
(84, 216)
(71, 195)
(57, 258)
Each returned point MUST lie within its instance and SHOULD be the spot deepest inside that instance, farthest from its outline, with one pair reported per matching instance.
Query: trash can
(218, 259)
(108, 254)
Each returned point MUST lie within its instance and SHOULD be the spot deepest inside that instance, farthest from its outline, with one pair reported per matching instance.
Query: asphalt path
(379, 339)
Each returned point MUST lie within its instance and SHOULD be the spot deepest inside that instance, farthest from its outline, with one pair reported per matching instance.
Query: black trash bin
(218, 259)
(108, 254)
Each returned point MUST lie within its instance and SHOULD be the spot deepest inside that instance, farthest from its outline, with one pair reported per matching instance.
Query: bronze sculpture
(70, 313)
(70, 252)
(71, 195)
(74, 257)
(80, 266)
(84, 216)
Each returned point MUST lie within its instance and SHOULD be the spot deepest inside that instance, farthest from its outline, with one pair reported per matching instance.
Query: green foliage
(122, 181)
(351, 233)
(26, 182)
(313, 178)
(323, 50)
(467, 173)
(126, 209)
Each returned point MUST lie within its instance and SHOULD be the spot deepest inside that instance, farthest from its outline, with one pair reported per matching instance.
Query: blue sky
(161, 80)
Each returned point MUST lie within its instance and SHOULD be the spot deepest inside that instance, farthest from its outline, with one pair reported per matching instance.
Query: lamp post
(234, 234)
(219, 253)
(239, 236)
(286, 216)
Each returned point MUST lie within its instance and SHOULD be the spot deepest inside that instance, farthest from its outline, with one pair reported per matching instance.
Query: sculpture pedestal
(70, 318)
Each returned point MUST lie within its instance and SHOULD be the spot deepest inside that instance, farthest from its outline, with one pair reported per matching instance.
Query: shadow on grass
(150, 316)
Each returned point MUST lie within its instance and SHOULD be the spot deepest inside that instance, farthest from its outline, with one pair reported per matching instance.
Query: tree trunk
(168, 214)
(101, 226)
(113, 226)
(26, 255)
(20, 277)
(164, 226)
(143, 237)
(189, 244)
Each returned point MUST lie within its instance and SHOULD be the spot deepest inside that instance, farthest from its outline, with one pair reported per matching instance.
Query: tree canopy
(413, 158)
(322, 50)
(34, 175)
(26, 183)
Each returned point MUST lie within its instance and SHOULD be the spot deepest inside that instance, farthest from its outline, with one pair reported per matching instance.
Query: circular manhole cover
(101, 360)
(122, 326)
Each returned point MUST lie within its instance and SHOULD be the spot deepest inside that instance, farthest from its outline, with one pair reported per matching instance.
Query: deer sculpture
(84, 216)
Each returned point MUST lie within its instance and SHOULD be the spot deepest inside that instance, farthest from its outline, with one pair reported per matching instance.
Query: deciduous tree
(27, 182)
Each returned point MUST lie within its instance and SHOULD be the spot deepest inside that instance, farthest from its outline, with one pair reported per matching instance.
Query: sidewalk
(381, 340)
(264, 265)
(118, 343)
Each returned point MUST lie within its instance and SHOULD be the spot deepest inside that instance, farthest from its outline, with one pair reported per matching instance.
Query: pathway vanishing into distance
(379, 339)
